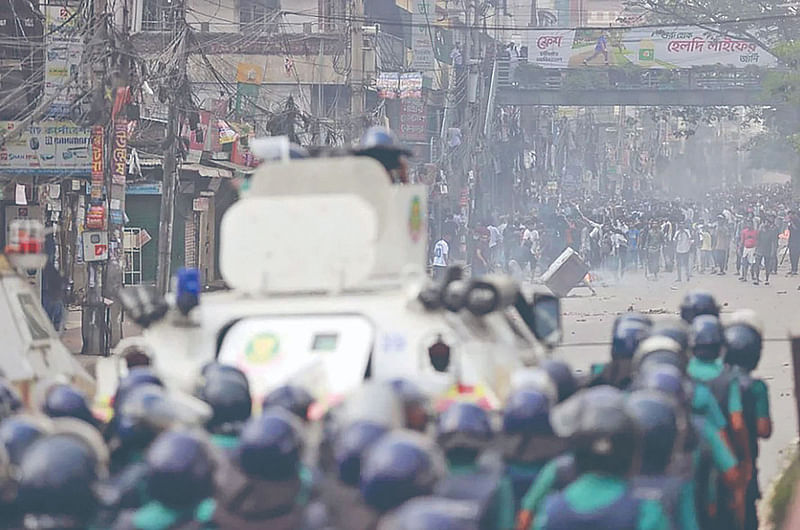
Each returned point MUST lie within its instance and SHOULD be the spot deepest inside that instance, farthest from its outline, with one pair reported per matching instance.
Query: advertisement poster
(667, 48)
(64, 49)
(53, 147)
(411, 85)
(388, 85)
(413, 121)
(422, 19)
(119, 155)
(97, 162)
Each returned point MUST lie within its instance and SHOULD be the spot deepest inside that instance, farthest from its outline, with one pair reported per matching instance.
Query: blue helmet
(707, 337)
(434, 513)
(527, 412)
(57, 477)
(626, 338)
(697, 303)
(660, 350)
(463, 426)
(632, 316)
(136, 377)
(18, 433)
(130, 425)
(742, 346)
(64, 401)
(351, 444)
(400, 466)
(657, 422)
(10, 402)
(561, 374)
(380, 138)
(663, 378)
(293, 398)
(228, 394)
(270, 445)
(179, 469)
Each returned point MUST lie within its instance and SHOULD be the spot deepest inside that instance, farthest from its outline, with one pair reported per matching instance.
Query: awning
(236, 168)
(207, 171)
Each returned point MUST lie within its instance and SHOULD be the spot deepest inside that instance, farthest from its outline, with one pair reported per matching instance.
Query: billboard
(64, 49)
(422, 19)
(665, 47)
(47, 148)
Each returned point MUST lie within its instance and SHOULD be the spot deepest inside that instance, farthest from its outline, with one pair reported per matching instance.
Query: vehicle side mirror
(546, 310)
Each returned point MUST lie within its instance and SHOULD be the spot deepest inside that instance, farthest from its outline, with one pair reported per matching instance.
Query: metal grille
(131, 244)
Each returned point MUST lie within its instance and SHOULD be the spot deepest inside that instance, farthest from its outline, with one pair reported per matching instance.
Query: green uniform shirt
(504, 496)
(703, 403)
(156, 516)
(722, 456)
(761, 395)
(541, 487)
(593, 492)
(704, 371)
(225, 441)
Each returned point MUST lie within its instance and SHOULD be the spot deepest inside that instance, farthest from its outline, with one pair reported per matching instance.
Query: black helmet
(707, 337)
(64, 401)
(228, 394)
(400, 466)
(742, 346)
(599, 427)
(697, 303)
(350, 446)
(179, 469)
(561, 374)
(57, 478)
(293, 398)
(627, 336)
(270, 445)
(657, 420)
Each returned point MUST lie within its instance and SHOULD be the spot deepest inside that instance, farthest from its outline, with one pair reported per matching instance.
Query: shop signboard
(119, 153)
(63, 53)
(413, 121)
(57, 148)
(422, 19)
(663, 47)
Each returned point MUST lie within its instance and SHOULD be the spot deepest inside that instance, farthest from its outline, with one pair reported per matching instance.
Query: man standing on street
(441, 256)
(722, 245)
(794, 240)
(683, 246)
(766, 249)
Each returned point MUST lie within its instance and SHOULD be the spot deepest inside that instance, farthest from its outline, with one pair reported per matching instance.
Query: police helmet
(626, 339)
(742, 346)
(535, 378)
(415, 403)
(659, 349)
(707, 337)
(379, 138)
(270, 445)
(18, 433)
(401, 465)
(673, 328)
(463, 426)
(697, 303)
(10, 402)
(747, 317)
(179, 469)
(350, 446)
(136, 377)
(63, 401)
(561, 374)
(433, 513)
(632, 316)
(228, 394)
(657, 420)
(527, 412)
(663, 378)
(293, 398)
(599, 428)
(57, 478)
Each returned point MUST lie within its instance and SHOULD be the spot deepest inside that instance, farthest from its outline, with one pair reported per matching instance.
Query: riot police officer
(697, 303)
(464, 433)
(674, 328)
(432, 513)
(180, 484)
(291, 397)
(382, 144)
(603, 436)
(263, 484)
(743, 340)
(562, 376)
(625, 340)
(227, 392)
(63, 401)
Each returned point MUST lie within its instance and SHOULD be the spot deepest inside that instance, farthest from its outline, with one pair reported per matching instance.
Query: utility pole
(170, 178)
(356, 65)
(534, 23)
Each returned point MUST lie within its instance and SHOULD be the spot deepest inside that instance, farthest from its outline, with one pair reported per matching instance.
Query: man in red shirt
(749, 240)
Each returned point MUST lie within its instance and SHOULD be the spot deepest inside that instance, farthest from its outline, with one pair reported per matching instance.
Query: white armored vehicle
(325, 260)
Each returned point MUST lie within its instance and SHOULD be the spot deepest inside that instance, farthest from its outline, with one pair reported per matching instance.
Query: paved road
(587, 321)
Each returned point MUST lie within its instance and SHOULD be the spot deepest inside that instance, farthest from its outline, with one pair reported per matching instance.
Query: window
(158, 15)
(254, 12)
(332, 14)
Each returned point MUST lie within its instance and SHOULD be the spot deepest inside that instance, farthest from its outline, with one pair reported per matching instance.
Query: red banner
(119, 155)
(97, 161)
